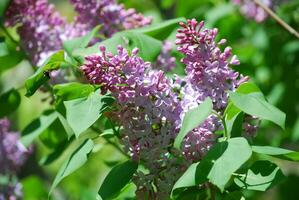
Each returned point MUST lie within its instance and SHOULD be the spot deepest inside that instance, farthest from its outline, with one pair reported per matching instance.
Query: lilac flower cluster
(149, 110)
(40, 27)
(165, 61)
(112, 16)
(250, 126)
(251, 10)
(207, 67)
(151, 107)
(11, 191)
(12, 156)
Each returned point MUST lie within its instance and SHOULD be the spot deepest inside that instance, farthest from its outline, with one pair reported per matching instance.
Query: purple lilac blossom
(251, 10)
(112, 16)
(11, 191)
(148, 111)
(165, 61)
(40, 27)
(12, 156)
(250, 126)
(207, 67)
(151, 107)
(13, 152)
(209, 74)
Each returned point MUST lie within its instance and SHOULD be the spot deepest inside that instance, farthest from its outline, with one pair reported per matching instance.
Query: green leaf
(38, 126)
(33, 188)
(83, 112)
(41, 75)
(9, 102)
(219, 12)
(75, 161)
(68, 130)
(80, 42)
(108, 133)
(256, 106)
(236, 195)
(117, 179)
(192, 194)
(161, 30)
(228, 163)
(128, 40)
(277, 152)
(55, 154)
(3, 6)
(54, 135)
(128, 192)
(231, 113)
(248, 87)
(261, 176)
(193, 118)
(70, 91)
(218, 165)
(10, 54)
(186, 180)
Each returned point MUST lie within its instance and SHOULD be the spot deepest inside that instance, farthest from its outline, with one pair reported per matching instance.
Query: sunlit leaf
(77, 159)
(9, 102)
(192, 119)
(128, 40)
(218, 165)
(261, 176)
(256, 106)
(277, 152)
(161, 30)
(38, 126)
(117, 179)
(80, 42)
(3, 6)
(83, 112)
(41, 76)
(228, 163)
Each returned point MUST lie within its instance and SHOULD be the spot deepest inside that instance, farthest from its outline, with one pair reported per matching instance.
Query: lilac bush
(179, 134)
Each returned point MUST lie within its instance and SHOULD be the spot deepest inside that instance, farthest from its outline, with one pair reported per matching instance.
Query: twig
(277, 18)
(210, 191)
(3, 28)
(8, 34)
(109, 141)
(225, 134)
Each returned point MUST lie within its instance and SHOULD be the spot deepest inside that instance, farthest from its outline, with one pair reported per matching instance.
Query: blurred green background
(268, 54)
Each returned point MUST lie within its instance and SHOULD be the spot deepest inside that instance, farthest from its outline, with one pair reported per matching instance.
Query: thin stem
(225, 134)
(211, 191)
(8, 34)
(225, 128)
(110, 142)
(277, 18)
(17, 43)
(116, 147)
(239, 175)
